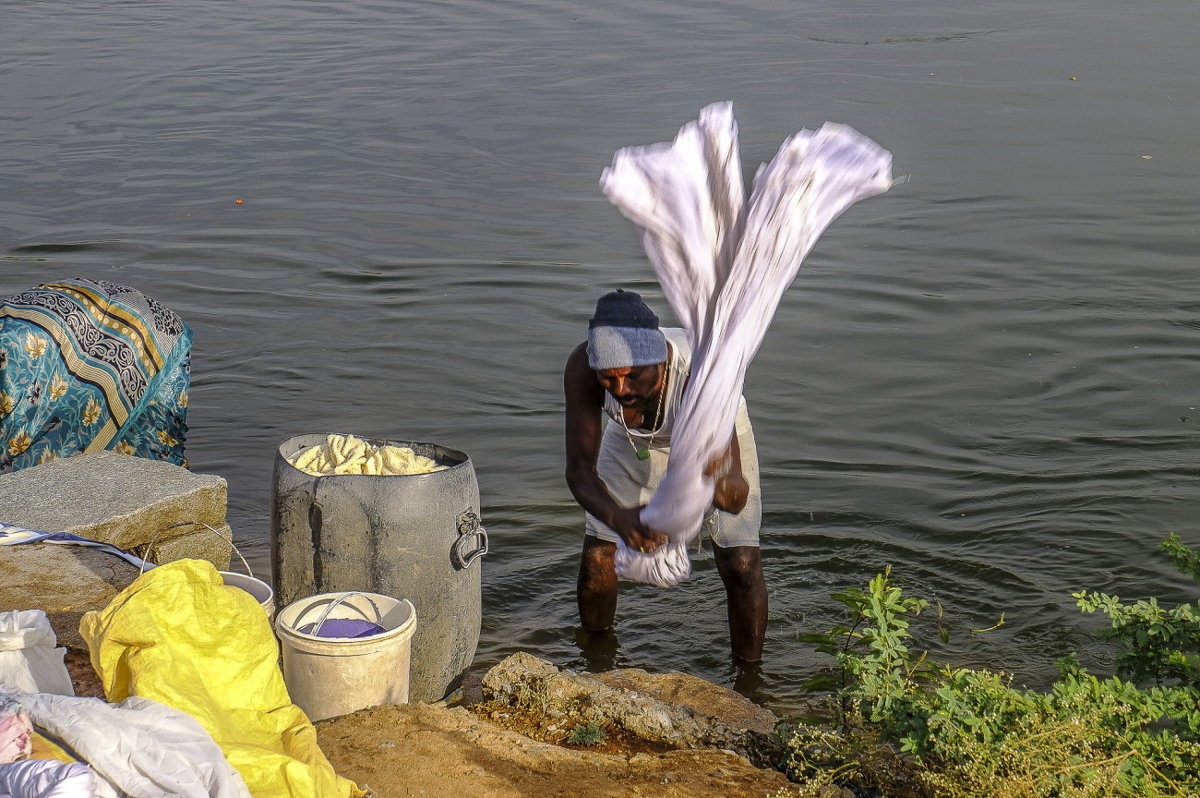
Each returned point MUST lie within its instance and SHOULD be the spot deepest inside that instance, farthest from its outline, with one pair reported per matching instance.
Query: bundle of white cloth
(137, 748)
(723, 263)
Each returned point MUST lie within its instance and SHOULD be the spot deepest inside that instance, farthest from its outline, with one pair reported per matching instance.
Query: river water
(985, 378)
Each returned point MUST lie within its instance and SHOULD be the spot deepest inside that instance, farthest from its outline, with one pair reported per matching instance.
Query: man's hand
(627, 523)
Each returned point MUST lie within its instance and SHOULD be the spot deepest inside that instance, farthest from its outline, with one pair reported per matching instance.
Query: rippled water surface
(985, 378)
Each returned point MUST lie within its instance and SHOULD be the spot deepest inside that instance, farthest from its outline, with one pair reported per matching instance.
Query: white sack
(29, 661)
(724, 264)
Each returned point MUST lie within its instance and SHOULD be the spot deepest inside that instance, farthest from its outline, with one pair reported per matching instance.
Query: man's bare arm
(584, 432)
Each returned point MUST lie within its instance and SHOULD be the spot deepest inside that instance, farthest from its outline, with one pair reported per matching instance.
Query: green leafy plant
(1187, 559)
(872, 647)
(1158, 644)
(972, 733)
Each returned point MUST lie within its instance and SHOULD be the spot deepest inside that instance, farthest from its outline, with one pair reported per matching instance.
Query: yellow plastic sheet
(45, 748)
(179, 636)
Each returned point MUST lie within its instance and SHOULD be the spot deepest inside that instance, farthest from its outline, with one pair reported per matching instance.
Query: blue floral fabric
(88, 366)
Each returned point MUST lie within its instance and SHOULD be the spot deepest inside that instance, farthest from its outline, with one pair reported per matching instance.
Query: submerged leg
(746, 590)
(597, 588)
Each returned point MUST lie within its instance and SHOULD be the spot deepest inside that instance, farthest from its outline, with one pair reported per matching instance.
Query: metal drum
(417, 537)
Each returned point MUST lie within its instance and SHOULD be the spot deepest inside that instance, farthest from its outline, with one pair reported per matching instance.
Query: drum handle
(470, 530)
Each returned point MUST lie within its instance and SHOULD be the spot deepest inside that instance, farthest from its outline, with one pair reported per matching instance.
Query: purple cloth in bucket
(342, 627)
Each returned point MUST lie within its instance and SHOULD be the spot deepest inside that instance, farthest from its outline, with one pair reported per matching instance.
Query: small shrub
(587, 734)
(1159, 645)
(972, 733)
(532, 694)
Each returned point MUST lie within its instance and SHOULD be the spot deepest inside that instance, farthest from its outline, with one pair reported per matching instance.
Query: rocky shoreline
(513, 738)
(513, 731)
(507, 735)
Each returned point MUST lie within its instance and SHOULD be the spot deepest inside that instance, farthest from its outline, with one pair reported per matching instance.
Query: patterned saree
(87, 366)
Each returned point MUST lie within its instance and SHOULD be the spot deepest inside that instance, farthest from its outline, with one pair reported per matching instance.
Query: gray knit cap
(624, 333)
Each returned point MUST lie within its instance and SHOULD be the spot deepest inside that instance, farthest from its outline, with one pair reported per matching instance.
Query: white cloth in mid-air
(632, 480)
(724, 263)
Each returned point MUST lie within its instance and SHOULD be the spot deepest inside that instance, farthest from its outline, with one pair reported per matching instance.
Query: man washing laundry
(633, 373)
(723, 257)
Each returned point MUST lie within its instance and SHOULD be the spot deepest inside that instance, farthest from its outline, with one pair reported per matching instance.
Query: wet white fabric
(724, 263)
(139, 748)
(632, 481)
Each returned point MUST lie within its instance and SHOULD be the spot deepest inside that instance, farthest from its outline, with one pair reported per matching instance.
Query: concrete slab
(110, 497)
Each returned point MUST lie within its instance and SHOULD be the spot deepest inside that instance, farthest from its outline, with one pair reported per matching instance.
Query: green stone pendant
(643, 454)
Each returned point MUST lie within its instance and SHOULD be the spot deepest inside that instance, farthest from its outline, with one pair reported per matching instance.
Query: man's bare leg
(740, 568)
(597, 588)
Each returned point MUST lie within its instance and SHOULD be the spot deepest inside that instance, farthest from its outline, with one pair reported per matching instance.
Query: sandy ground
(483, 752)
(423, 750)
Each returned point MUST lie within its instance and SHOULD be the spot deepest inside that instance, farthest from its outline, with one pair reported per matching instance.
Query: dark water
(985, 378)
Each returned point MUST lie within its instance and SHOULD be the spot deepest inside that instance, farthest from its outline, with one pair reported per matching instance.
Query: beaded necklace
(643, 453)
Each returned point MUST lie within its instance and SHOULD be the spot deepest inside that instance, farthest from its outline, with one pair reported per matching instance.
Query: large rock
(701, 695)
(118, 499)
(65, 581)
(527, 682)
(154, 509)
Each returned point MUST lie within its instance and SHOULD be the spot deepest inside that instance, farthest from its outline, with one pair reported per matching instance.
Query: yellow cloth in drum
(179, 636)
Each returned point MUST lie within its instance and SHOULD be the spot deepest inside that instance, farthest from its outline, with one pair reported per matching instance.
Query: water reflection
(749, 680)
(598, 651)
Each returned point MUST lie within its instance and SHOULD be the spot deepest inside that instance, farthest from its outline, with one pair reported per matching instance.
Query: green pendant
(643, 454)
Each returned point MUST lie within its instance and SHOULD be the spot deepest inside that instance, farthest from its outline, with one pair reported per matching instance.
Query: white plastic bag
(29, 659)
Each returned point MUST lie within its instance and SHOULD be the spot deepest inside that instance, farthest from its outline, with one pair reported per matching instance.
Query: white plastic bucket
(256, 587)
(263, 593)
(331, 676)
